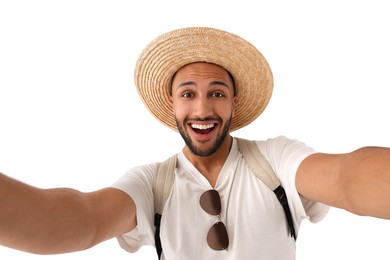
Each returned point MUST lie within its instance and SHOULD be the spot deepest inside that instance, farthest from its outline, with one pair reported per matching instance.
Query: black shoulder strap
(157, 240)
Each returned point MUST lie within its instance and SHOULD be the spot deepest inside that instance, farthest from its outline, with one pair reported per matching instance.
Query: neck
(210, 166)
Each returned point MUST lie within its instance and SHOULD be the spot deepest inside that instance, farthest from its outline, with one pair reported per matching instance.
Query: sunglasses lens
(217, 238)
(211, 202)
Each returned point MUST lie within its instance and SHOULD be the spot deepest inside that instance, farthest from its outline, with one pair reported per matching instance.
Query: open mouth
(203, 128)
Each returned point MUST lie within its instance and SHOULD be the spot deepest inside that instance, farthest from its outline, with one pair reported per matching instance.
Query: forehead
(202, 69)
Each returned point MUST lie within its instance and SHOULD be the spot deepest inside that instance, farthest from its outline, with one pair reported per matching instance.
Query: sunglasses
(217, 237)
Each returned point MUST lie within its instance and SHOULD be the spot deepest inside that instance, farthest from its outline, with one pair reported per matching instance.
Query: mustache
(209, 118)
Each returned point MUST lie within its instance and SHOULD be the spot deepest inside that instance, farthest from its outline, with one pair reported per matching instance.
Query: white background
(70, 115)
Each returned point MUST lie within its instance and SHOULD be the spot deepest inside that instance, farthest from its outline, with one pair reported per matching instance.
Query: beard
(196, 150)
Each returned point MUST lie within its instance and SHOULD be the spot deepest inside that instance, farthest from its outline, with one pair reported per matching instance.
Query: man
(204, 83)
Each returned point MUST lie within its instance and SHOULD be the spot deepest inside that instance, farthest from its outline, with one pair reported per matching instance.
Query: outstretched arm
(358, 181)
(48, 221)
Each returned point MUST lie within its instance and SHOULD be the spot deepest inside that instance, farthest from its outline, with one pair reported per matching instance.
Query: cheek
(228, 109)
(178, 110)
(173, 104)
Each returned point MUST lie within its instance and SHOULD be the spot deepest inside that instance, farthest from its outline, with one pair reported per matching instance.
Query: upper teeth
(197, 126)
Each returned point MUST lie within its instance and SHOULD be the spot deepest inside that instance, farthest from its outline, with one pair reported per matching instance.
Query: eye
(187, 94)
(217, 94)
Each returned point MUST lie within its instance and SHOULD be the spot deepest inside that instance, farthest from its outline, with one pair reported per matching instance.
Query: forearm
(367, 182)
(42, 221)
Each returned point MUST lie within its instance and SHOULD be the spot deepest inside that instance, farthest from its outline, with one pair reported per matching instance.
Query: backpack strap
(164, 181)
(265, 173)
(161, 190)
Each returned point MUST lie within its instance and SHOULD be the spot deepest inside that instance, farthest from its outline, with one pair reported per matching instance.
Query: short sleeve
(285, 155)
(138, 184)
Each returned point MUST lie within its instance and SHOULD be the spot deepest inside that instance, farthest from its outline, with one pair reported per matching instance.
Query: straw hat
(169, 52)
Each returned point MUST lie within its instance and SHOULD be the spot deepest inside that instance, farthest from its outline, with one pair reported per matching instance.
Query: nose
(203, 107)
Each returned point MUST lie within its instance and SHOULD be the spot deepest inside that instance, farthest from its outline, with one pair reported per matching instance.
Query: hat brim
(164, 56)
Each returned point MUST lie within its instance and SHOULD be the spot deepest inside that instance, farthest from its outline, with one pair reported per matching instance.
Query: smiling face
(203, 102)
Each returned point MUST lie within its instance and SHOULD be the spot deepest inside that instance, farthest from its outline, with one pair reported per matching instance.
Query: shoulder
(284, 154)
(280, 141)
(146, 170)
(282, 146)
(142, 176)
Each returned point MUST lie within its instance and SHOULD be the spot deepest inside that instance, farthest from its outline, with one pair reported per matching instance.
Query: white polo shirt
(254, 218)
